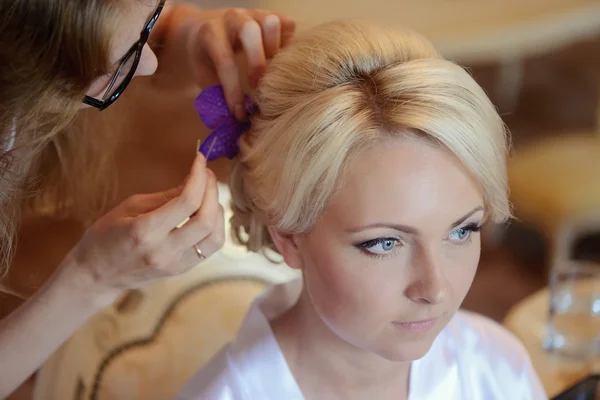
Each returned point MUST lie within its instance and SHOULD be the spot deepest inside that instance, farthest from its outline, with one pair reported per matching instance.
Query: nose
(148, 62)
(428, 284)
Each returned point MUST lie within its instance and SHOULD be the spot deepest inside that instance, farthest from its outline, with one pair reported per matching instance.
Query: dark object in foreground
(587, 389)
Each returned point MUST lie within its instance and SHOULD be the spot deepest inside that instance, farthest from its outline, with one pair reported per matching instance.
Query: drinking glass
(574, 314)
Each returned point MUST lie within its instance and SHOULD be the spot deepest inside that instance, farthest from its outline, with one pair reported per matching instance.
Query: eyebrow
(409, 229)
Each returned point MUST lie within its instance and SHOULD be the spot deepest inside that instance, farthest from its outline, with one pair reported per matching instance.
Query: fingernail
(200, 156)
(272, 21)
(240, 112)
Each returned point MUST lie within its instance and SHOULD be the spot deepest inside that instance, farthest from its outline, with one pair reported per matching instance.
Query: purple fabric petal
(214, 113)
(249, 105)
(212, 107)
(223, 142)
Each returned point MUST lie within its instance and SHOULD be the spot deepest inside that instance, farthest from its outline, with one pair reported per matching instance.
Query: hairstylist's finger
(177, 210)
(143, 203)
(215, 41)
(271, 28)
(201, 224)
(209, 246)
(270, 25)
(287, 24)
(288, 29)
(244, 28)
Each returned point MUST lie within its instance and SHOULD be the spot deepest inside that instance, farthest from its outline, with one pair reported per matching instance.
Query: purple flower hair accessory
(212, 108)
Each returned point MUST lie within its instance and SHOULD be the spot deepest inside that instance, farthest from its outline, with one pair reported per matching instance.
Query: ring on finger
(199, 252)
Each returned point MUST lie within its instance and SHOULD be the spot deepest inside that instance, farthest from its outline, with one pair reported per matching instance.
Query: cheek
(346, 290)
(464, 267)
(330, 280)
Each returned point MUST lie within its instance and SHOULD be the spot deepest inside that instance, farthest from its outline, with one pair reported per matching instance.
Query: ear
(287, 246)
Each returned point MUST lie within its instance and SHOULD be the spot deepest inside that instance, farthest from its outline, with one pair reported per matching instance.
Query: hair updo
(333, 92)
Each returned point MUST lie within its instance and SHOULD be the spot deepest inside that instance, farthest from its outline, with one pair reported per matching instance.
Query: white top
(473, 358)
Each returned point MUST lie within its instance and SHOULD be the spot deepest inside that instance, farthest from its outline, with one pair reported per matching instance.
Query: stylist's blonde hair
(339, 89)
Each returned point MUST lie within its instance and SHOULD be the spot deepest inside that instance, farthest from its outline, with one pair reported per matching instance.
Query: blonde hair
(337, 90)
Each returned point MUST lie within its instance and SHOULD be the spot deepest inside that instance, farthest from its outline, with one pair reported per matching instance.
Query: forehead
(405, 181)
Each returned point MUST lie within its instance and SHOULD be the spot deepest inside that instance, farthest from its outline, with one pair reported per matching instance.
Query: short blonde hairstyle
(334, 92)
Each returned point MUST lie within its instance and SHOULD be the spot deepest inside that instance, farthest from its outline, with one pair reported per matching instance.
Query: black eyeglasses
(127, 67)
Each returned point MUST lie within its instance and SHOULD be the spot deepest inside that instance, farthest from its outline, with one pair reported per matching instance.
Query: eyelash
(364, 247)
(471, 228)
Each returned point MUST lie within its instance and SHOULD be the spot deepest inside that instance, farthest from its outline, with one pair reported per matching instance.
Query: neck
(325, 366)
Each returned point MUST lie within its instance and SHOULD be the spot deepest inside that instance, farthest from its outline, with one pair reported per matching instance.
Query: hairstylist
(57, 56)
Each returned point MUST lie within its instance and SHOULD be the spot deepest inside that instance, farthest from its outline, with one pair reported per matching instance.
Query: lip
(416, 326)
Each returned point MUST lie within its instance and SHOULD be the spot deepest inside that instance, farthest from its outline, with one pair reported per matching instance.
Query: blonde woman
(57, 56)
(370, 166)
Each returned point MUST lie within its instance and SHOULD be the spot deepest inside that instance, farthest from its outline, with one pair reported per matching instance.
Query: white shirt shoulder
(216, 380)
(480, 335)
(472, 358)
(252, 366)
(489, 361)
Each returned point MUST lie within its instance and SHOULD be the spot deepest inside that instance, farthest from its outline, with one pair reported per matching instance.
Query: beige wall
(223, 3)
(465, 30)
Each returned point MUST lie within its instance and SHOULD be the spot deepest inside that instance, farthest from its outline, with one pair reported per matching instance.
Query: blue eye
(464, 233)
(380, 245)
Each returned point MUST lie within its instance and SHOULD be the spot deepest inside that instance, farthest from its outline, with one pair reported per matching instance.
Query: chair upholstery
(150, 341)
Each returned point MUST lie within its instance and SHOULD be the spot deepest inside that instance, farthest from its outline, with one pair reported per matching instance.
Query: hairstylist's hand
(210, 40)
(259, 34)
(139, 242)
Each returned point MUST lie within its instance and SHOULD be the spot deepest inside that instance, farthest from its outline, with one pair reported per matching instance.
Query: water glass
(574, 315)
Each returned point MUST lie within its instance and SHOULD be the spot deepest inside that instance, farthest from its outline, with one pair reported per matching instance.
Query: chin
(405, 352)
